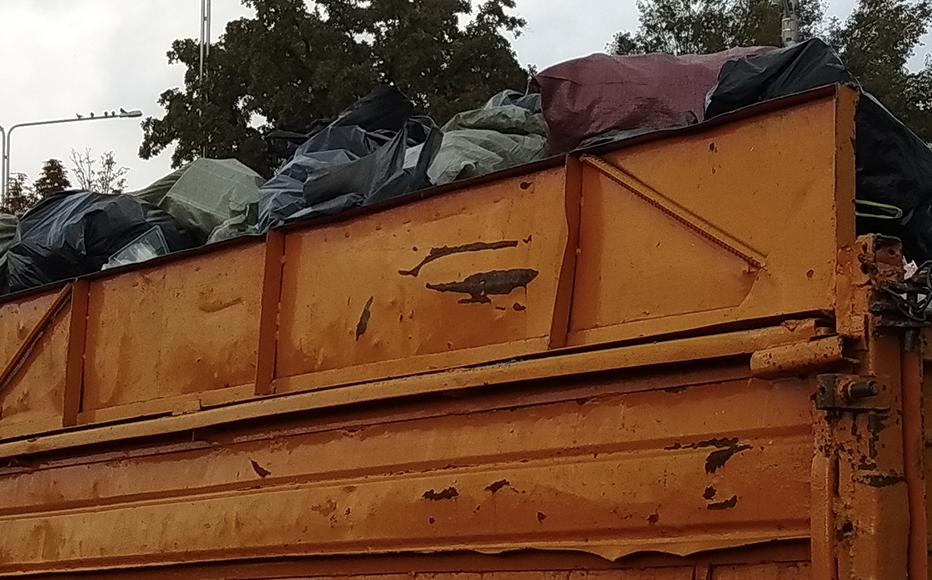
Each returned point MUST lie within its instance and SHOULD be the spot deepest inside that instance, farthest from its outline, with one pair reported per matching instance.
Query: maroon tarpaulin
(592, 95)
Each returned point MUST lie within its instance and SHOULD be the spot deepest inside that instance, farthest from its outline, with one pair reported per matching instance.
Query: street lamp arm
(127, 115)
(5, 138)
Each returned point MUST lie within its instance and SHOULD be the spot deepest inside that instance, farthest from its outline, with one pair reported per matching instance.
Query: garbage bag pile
(76, 232)
(379, 149)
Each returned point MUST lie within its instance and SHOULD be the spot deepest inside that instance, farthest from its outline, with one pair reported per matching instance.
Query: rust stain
(653, 518)
(728, 504)
(444, 251)
(541, 516)
(260, 471)
(494, 487)
(518, 307)
(709, 492)
(363, 323)
(480, 286)
(448, 493)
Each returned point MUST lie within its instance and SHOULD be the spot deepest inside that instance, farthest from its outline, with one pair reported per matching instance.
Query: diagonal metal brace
(676, 211)
(16, 363)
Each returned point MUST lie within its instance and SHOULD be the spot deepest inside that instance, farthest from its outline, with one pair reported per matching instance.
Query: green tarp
(206, 195)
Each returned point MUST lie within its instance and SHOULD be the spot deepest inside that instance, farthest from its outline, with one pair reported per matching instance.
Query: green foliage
(290, 65)
(876, 42)
(20, 197)
(704, 26)
(52, 179)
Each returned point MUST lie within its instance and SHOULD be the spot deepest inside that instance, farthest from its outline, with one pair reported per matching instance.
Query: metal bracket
(851, 393)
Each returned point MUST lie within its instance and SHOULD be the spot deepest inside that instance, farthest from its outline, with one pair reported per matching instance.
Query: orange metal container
(666, 360)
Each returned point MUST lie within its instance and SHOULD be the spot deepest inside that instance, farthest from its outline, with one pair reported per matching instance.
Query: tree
(20, 197)
(108, 178)
(704, 26)
(290, 66)
(54, 178)
(875, 42)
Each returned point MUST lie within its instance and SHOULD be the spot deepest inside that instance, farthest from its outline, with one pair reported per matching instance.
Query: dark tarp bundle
(75, 233)
(894, 166)
(357, 160)
(591, 96)
(508, 131)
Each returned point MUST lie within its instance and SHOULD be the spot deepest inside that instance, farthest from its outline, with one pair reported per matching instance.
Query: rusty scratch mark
(444, 251)
(448, 493)
(497, 485)
(217, 306)
(480, 286)
(260, 471)
(728, 504)
(541, 516)
(363, 323)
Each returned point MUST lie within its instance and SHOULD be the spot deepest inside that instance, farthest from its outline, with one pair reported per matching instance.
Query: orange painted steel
(637, 362)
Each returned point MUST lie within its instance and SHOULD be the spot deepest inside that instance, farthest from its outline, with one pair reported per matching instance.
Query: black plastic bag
(356, 160)
(894, 166)
(75, 233)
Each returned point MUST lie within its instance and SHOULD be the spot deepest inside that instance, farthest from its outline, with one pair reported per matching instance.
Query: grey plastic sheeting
(208, 197)
(508, 131)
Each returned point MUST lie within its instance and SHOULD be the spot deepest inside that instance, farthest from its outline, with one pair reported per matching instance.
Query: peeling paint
(448, 493)
(728, 504)
(480, 286)
(444, 251)
(494, 487)
(882, 479)
(363, 323)
(260, 471)
(717, 459)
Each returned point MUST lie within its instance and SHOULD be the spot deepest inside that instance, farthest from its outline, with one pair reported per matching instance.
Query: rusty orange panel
(34, 398)
(737, 222)
(773, 571)
(183, 327)
(450, 280)
(680, 471)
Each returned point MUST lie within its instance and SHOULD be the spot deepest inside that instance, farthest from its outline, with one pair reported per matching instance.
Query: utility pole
(204, 55)
(790, 24)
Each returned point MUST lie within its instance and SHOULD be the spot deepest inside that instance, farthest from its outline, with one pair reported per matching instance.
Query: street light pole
(7, 134)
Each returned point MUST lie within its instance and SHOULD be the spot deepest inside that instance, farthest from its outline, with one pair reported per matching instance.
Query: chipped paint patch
(444, 251)
(363, 323)
(484, 284)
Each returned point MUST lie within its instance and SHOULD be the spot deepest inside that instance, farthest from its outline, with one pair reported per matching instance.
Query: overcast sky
(63, 57)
